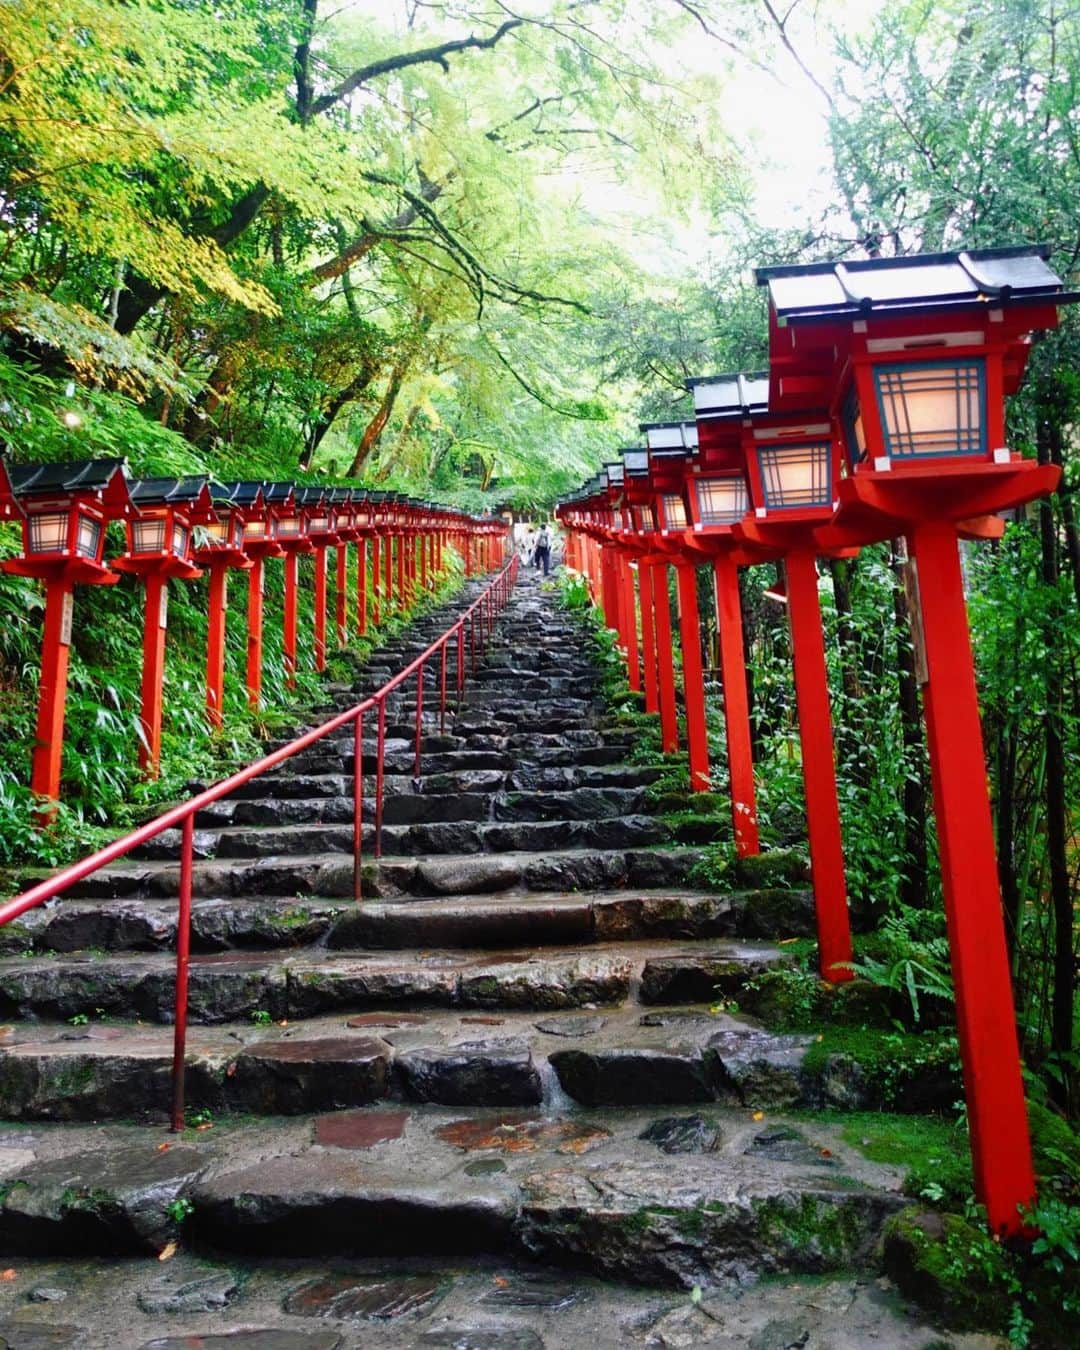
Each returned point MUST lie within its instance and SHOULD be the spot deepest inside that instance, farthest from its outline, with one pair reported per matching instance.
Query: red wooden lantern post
(641, 496)
(670, 446)
(347, 531)
(715, 498)
(159, 548)
(791, 466)
(65, 509)
(915, 356)
(290, 534)
(388, 555)
(403, 537)
(320, 520)
(219, 547)
(259, 544)
(362, 516)
(378, 527)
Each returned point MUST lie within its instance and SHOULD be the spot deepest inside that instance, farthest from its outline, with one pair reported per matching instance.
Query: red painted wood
(376, 558)
(153, 672)
(341, 595)
(669, 725)
(319, 560)
(819, 770)
(292, 562)
(986, 1019)
(736, 708)
(629, 620)
(52, 694)
(388, 575)
(361, 587)
(648, 639)
(253, 677)
(693, 681)
(215, 641)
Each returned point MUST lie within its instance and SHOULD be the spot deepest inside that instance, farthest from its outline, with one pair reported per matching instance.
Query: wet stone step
(491, 921)
(330, 876)
(226, 987)
(607, 1058)
(464, 834)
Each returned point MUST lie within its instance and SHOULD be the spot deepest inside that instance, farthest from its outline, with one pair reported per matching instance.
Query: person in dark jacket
(542, 552)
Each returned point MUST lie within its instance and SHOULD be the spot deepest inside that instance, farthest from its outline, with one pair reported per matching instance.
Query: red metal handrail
(480, 614)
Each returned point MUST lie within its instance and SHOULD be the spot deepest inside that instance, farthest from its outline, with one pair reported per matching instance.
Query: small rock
(209, 1294)
(44, 1294)
(484, 1167)
(683, 1134)
(533, 1291)
(571, 1027)
(365, 1298)
(780, 1143)
(359, 1129)
(781, 1334)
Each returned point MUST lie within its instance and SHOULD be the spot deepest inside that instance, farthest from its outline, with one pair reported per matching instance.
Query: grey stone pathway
(491, 1106)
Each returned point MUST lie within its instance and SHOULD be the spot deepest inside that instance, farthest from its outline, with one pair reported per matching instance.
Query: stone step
(609, 1196)
(504, 920)
(311, 981)
(599, 1056)
(279, 786)
(330, 875)
(407, 807)
(445, 836)
(503, 1302)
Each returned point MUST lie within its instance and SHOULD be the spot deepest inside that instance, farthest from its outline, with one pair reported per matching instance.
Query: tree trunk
(377, 425)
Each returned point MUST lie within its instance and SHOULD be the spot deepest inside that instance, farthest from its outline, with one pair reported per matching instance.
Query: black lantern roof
(733, 395)
(247, 494)
(670, 435)
(614, 474)
(169, 491)
(82, 475)
(105, 480)
(636, 463)
(921, 282)
(310, 496)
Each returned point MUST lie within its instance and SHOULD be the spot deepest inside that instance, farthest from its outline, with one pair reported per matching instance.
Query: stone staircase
(509, 1050)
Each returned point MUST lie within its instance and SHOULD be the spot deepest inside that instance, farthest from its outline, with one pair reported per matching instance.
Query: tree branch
(437, 55)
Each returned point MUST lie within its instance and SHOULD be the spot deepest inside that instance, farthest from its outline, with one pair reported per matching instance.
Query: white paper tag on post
(66, 614)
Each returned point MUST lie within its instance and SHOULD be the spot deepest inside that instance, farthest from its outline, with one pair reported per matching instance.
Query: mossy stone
(777, 867)
(924, 1256)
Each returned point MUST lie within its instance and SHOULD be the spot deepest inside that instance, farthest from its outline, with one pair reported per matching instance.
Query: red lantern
(219, 548)
(159, 547)
(65, 510)
(913, 357)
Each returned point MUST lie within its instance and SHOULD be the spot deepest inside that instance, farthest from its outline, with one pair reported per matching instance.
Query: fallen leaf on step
(164, 1148)
(167, 1252)
(758, 1115)
(8, 1275)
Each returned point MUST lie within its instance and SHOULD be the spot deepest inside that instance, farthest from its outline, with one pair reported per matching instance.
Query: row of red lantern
(881, 415)
(175, 527)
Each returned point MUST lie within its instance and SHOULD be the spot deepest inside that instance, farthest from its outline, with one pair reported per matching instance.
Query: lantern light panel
(720, 501)
(795, 476)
